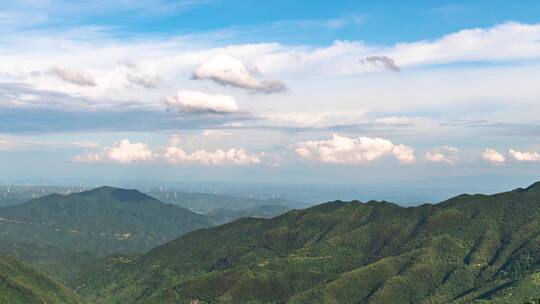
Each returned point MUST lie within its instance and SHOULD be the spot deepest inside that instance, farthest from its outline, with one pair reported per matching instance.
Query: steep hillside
(469, 248)
(20, 284)
(62, 266)
(102, 221)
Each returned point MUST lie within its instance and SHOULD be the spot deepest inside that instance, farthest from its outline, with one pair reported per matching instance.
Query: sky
(282, 91)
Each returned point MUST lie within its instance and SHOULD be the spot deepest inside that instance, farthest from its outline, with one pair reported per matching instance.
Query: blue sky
(353, 91)
(383, 22)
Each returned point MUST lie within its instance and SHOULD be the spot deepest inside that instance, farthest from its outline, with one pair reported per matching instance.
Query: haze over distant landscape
(264, 152)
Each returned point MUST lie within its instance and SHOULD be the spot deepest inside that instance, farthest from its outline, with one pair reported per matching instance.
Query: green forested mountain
(471, 248)
(20, 284)
(60, 234)
(102, 221)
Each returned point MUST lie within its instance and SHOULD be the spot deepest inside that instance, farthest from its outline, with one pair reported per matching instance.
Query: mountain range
(468, 249)
(471, 248)
(61, 233)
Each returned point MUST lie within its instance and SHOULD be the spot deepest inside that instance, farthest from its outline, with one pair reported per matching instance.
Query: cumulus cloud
(524, 156)
(122, 151)
(227, 70)
(386, 62)
(444, 154)
(233, 156)
(361, 150)
(80, 78)
(126, 152)
(194, 101)
(403, 154)
(493, 156)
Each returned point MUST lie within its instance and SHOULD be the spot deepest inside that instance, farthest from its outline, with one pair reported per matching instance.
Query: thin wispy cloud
(198, 102)
(81, 78)
(386, 62)
(36, 14)
(145, 81)
(22, 144)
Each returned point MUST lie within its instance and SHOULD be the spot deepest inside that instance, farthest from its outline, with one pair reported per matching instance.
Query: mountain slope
(222, 216)
(103, 221)
(62, 266)
(20, 284)
(469, 248)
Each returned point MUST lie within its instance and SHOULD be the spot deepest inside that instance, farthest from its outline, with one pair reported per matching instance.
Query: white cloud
(212, 132)
(403, 154)
(395, 120)
(493, 156)
(444, 154)
(417, 121)
(81, 78)
(322, 119)
(227, 70)
(125, 152)
(507, 41)
(504, 42)
(14, 143)
(122, 151)
(193, 101)
(361, 150)
(233, 156)
(524, 156)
